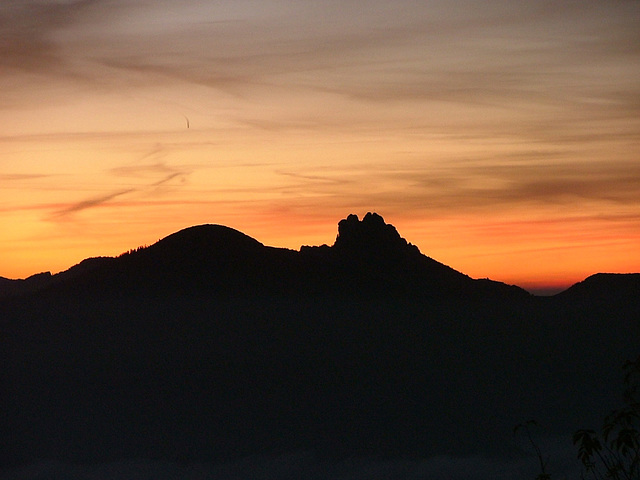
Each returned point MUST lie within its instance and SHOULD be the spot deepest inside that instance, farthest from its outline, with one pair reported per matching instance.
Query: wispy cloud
(307, 179)
(498, 184)
(15, 177)
(91, 203)
(144, 170)
(542, 65)
(565, 189)
(29, 27)
(148, 173)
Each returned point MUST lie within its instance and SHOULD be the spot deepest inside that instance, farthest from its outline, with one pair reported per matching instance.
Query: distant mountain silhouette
(15, 287)
(210, 346)
(610, 287)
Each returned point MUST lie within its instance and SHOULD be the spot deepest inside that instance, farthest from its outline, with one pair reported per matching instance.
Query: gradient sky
(500, 137)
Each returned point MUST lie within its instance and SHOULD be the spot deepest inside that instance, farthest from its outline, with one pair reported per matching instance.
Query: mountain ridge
(368, 247)
(369, 242)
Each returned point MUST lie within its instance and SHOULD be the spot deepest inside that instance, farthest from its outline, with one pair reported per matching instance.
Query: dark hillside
(209, 345)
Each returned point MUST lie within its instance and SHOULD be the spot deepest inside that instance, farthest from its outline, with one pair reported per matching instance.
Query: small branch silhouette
(543, 464)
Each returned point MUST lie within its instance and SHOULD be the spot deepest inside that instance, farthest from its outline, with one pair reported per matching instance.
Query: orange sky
(502, 138)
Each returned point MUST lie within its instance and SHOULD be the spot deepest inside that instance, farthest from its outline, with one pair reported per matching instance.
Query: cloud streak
(380, 55)
(16, 177)
(517, 72)
(91, 203)
(145, 172)
(29, 31)
(481, 186)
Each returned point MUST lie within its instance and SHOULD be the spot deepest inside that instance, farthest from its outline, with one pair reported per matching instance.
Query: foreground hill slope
(210, 346)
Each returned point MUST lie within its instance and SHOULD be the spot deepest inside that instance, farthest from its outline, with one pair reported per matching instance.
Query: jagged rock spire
(369, 235)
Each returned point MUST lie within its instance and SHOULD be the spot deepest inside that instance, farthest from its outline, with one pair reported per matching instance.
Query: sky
(500, 137)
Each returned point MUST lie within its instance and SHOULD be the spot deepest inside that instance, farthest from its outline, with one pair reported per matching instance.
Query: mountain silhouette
(611, 287)
(367, 254)
(15, 287)
(210, 346)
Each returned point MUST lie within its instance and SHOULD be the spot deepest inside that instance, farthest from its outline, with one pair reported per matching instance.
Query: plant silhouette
(615, 451)
(525, 427)
(612, 453)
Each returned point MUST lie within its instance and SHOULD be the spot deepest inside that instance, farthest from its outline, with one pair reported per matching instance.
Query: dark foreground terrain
(209, 354)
